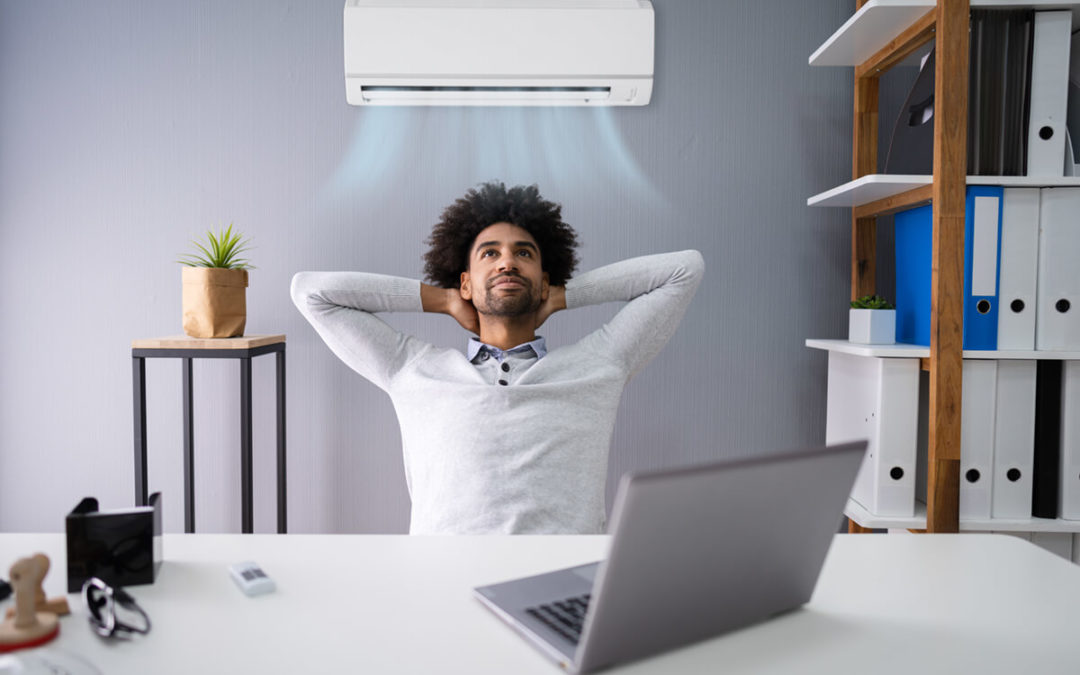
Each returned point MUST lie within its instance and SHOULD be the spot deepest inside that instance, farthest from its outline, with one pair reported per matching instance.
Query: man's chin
(509, 307)
(506, 313)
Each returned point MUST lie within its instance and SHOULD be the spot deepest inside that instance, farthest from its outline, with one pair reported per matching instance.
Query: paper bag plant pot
(214, 301)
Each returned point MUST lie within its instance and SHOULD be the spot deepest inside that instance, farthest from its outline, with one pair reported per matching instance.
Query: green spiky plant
(872, 302)
(222, 250)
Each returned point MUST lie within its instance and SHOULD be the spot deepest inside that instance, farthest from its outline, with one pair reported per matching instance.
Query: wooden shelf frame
(880, 35)
(947, 23)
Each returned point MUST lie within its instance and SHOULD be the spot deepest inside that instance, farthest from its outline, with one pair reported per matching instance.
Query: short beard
(510, 306)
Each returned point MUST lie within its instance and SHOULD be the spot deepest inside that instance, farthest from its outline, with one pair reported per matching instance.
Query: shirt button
(502, 382)
(484, 356)
(506, 367)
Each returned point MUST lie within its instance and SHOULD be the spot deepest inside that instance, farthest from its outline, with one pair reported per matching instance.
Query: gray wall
(129, 127)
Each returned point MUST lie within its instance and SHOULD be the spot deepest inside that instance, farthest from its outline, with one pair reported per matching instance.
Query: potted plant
(215, 281)
(872, 321)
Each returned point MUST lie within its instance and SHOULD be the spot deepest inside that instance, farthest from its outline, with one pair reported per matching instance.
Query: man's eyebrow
(524, 244)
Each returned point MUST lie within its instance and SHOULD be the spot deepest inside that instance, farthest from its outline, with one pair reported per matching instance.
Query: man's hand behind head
(556, 300)
(449, 301)
(462, 310)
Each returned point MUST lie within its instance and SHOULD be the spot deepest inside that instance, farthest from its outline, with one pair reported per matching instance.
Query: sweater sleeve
(657, 289)
(342, 306)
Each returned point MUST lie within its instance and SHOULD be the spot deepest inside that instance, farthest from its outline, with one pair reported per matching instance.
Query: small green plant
(872, 302)
(222, 250)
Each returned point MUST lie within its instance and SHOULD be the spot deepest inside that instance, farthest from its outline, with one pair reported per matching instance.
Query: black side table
(188, 348)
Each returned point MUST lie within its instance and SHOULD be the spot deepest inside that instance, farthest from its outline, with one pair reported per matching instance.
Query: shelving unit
(882, 34)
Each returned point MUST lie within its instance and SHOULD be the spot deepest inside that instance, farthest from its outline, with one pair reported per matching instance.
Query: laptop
(695, 553)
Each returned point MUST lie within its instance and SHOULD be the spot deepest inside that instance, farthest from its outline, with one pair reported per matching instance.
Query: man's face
(505, 277)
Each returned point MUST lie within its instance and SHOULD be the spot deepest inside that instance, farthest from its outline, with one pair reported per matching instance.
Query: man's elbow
(697, 263)
(693, 264)
(301, 289)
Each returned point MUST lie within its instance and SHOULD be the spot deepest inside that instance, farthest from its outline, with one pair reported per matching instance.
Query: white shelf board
(879, 186)
(855, 511)
(900, 351)
(879, 21)
(905, 351)
(868, 30)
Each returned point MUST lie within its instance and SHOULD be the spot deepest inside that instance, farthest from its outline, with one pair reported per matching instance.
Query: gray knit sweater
(530, 457)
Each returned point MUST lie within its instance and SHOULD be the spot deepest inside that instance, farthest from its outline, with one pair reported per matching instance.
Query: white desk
(397, 604)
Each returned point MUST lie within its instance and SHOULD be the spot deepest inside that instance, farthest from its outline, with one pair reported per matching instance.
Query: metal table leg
(282, 511)
(247, 525)
(189, 448)
(138, 372)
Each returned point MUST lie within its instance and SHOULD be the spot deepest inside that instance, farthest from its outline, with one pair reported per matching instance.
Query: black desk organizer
(122, 547)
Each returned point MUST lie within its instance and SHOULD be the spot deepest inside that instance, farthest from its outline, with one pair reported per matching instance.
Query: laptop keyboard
(565, 617)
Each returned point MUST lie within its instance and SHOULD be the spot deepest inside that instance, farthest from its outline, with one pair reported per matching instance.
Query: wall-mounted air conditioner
(498, 52)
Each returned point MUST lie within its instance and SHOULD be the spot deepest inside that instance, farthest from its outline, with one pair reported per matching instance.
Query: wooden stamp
(58, 606)
(27, 626)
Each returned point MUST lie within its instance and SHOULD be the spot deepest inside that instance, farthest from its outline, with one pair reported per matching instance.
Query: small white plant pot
(872, 326)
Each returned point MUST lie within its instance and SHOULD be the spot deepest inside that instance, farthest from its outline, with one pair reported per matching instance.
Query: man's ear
(545, 287)
(466, 286)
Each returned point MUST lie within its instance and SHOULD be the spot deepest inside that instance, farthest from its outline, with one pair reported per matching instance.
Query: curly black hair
(452, 237)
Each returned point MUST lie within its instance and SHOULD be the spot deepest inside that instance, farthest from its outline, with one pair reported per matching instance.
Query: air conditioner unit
(498, 52)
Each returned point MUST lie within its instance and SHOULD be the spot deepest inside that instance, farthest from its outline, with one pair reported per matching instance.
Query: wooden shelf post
(947, 280)
(863, 162)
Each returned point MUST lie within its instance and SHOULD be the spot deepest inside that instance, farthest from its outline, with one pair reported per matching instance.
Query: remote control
(251, 579)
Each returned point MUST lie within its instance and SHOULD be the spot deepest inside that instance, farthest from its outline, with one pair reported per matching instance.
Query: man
(506, 438)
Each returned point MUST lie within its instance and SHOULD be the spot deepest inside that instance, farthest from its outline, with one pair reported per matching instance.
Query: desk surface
(399, 604)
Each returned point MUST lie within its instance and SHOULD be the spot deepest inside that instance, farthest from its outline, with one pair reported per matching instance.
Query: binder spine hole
(1062, 305)
(1017, 306)
(983, 306)
(1046, 133)
(1013, 475)
(896, 473)
(972, 475)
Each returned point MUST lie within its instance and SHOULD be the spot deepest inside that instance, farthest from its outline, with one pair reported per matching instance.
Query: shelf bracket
(899, 48)
(887, 205)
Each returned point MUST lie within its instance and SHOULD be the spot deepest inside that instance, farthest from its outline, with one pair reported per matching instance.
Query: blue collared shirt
(476, 347)
(504, 367)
